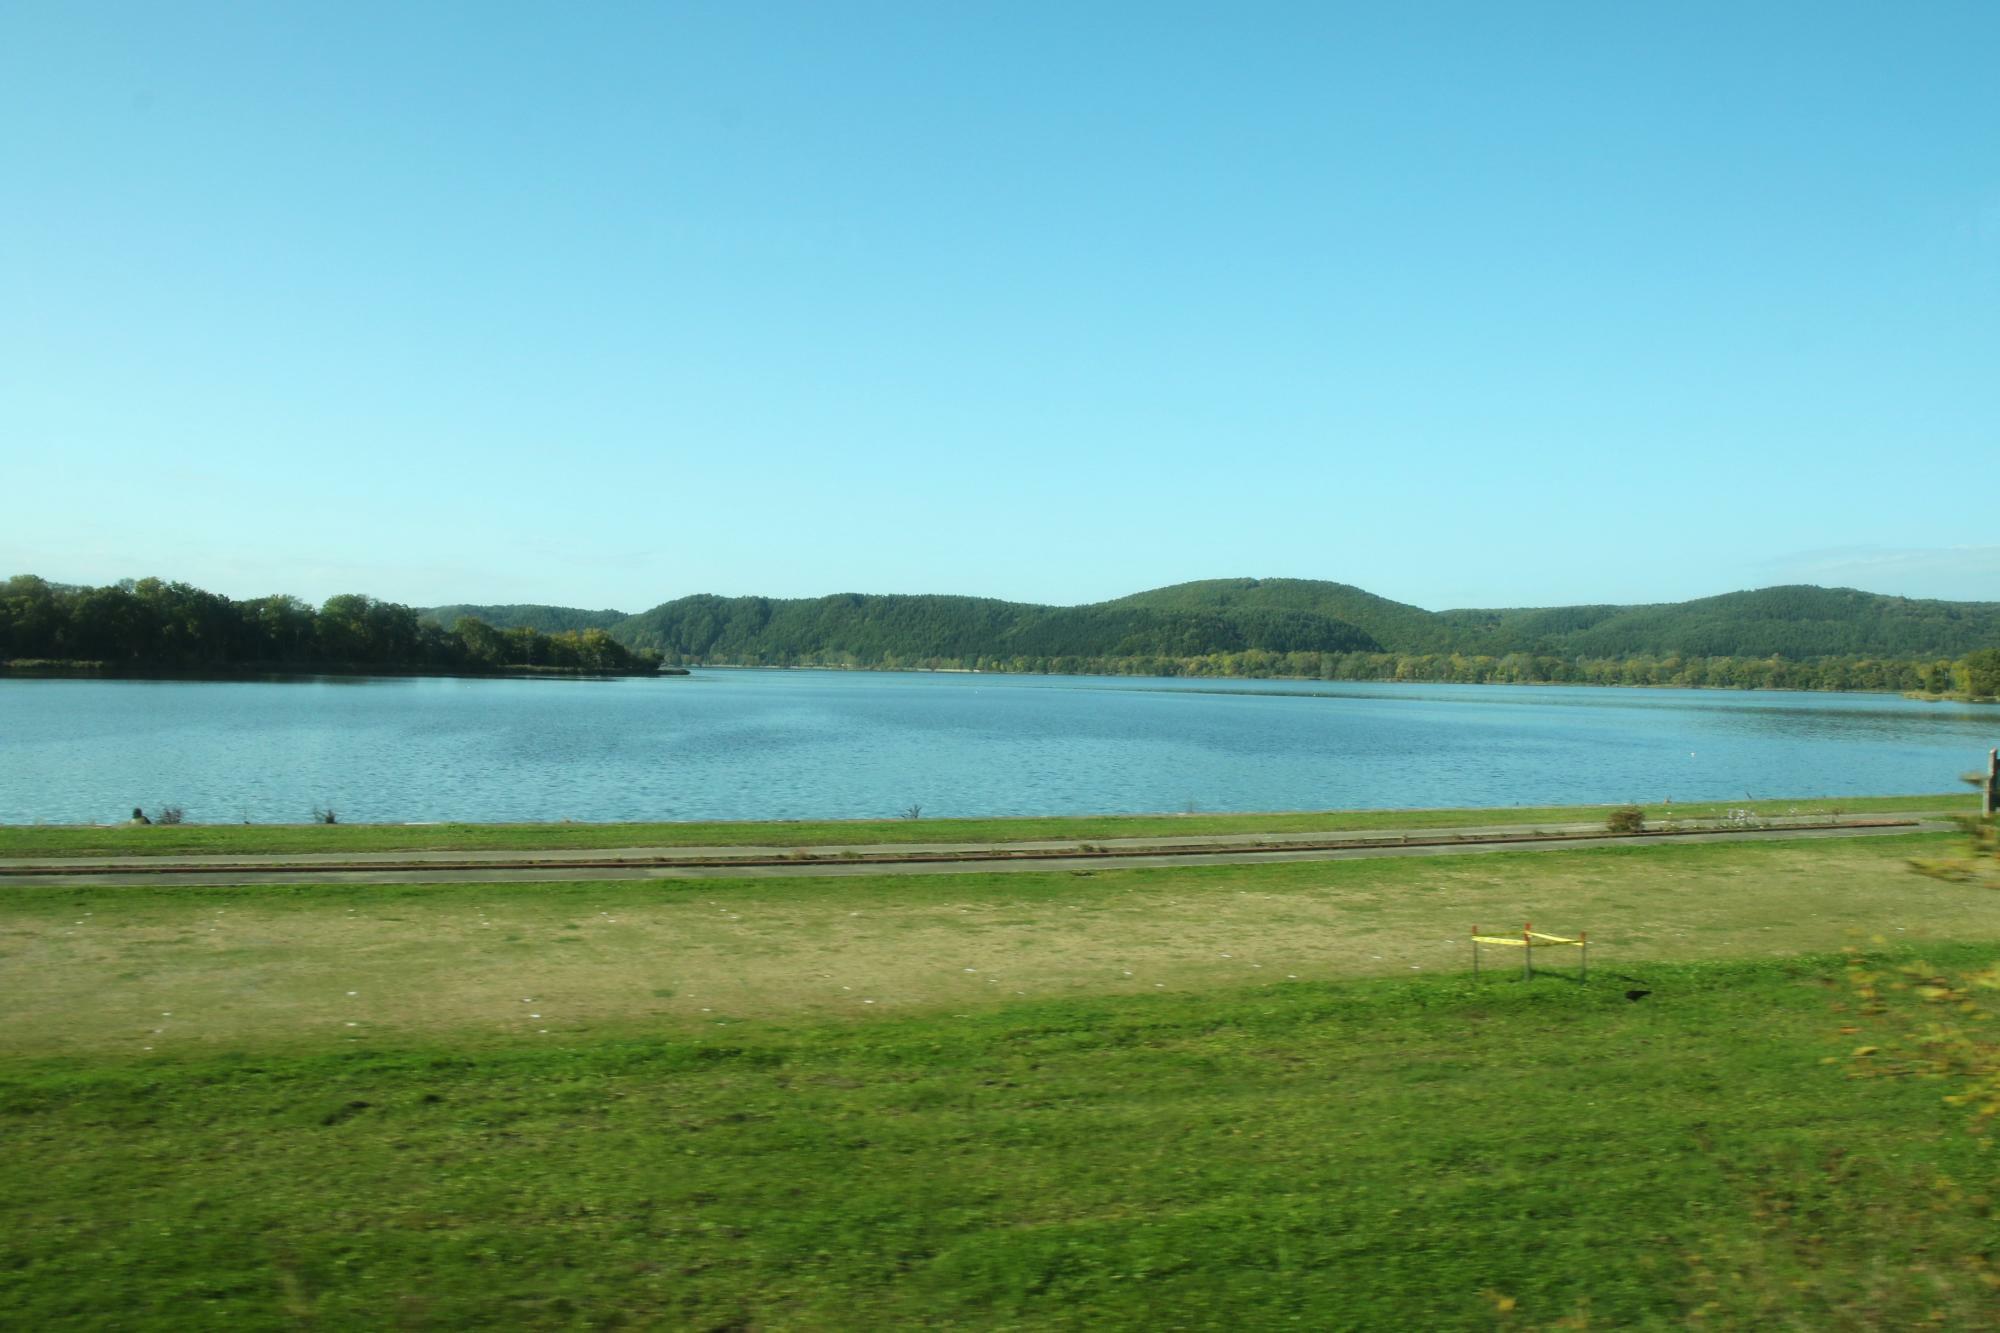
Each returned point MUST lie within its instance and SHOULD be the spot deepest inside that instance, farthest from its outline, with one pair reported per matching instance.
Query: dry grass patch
(139, 969)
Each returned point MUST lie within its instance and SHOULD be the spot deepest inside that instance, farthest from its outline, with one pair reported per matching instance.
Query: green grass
(1230, 1096)
(1408, 1154)
(264, 839)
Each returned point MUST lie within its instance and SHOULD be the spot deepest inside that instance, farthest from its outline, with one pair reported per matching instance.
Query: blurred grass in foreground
(1436, 1153)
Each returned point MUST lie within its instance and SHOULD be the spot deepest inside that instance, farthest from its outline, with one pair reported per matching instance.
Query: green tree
(30, 616)
(283, 628)
(482, 644)
(341, 631)
(1978, 674)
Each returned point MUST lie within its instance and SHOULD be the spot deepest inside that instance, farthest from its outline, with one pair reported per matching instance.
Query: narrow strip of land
(463, 866)
(87, 841)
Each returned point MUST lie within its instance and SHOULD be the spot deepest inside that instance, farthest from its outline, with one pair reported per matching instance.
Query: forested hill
(867, 629)
(1221, 616)
(1800, 622)
(1393, 626)
(1794, 638)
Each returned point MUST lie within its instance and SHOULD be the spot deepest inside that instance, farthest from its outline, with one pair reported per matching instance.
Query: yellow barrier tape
(1515, 941)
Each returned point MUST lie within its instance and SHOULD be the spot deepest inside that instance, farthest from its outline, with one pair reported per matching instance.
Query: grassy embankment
(280, 839)
(1078, 1100)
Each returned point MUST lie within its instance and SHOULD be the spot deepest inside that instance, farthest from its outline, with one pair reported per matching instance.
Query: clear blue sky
(602, 304)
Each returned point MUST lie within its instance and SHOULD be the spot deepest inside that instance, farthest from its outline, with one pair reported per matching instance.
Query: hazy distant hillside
(1798, 622)
(547, 619)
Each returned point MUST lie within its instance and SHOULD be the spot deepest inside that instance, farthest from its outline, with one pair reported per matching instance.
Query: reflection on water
(811, 744)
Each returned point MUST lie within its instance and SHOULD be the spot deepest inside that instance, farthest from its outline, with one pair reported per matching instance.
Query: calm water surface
(809, 744)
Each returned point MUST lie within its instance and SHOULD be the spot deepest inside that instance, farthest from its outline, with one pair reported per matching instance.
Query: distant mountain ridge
(1798, 622)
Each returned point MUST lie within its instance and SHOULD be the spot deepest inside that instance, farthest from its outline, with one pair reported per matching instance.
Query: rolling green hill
(1221, 616)
(1391, 626)
(867, 629)
(1780, 638)
(1799, 622)
(846, 625)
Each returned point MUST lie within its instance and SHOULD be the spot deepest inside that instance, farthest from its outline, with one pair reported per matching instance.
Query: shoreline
(968, 858)
(33, 669)
(188, 839)
(1915, 696)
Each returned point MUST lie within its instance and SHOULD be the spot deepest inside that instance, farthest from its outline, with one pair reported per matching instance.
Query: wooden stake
(1990, 805)
(1527, 952)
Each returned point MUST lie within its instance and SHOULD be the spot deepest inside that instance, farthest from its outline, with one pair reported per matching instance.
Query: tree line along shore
(150, 626)
(1975, 677)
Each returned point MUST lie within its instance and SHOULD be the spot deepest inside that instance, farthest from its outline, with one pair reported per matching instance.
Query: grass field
(670, 1104)
(278, 839)
(96, 969)
(1429, 1154)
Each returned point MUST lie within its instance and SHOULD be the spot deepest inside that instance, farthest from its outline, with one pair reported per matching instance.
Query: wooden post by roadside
(1990, 803)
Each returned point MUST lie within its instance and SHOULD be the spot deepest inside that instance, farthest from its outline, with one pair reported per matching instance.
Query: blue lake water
(809, 744)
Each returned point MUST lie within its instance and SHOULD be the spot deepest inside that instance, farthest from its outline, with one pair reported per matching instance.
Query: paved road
(488, 867)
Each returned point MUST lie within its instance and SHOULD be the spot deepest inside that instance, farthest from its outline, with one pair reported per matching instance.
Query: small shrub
(913, 811)
(323, 815)
(170, 814)
(1626, 819)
